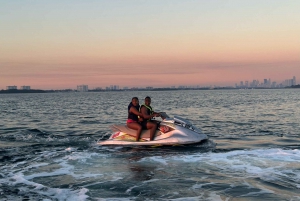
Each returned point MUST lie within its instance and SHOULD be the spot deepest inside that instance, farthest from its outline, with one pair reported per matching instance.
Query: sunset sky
(58, 44)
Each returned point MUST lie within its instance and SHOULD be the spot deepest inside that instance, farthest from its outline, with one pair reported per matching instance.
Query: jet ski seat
(125, 129)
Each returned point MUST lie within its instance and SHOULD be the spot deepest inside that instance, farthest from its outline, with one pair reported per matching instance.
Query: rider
(148, 114)
(134, 116)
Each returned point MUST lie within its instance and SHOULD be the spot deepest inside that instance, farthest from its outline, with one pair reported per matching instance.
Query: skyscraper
(265, 82)
(294, 81)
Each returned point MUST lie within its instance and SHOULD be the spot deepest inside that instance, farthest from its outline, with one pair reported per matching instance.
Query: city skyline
(62, 44)
(255, 83)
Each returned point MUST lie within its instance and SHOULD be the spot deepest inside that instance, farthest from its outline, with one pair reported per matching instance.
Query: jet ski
(171, 131)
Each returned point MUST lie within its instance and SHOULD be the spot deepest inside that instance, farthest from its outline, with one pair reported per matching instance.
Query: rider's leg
(152, 127)
(136, 126)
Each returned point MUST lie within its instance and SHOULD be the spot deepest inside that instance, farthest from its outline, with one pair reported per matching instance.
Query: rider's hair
(134, 98)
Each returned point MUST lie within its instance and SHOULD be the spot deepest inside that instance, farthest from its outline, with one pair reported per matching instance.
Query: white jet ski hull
(179, 132)
(165, 139)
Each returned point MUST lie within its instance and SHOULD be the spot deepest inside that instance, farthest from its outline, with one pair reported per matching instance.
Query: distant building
(289, 82)
(181, 87)
(98, 89)
(294, 81)
(11, 87)
(82, 88)
(25, 87)
(112, 88)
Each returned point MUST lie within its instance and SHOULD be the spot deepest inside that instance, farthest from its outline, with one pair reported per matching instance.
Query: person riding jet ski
(134, 117)
(147, 114)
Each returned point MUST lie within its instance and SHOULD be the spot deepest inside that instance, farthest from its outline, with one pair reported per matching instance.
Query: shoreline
(14, 91)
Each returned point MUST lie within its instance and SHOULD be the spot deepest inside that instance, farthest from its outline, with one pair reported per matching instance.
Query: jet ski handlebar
(180, 122)
(163, 115)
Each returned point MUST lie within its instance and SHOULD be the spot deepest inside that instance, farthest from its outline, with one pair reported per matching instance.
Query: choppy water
(48, 147)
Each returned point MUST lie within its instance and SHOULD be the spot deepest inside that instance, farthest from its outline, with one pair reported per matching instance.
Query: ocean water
(49, 151)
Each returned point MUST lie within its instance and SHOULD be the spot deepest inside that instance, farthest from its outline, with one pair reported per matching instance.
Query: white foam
(234, 157)
(267, 164)
(214, 197)
(70, 149)
(55, 193)
(130, 189)
(159, 159)
(115, 199)
(262, 191)
(65, 169)
(50, 139)
(80, 156)
(209, 197)
(150, 180)
(73, 164)
(101, 182)
(188, 199)
(197, 186)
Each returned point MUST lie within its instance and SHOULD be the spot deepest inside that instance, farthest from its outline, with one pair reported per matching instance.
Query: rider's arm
(157, 114)
(145, 115)
(135, 111)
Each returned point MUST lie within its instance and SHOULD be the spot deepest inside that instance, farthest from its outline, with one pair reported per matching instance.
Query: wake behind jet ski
(171, 131)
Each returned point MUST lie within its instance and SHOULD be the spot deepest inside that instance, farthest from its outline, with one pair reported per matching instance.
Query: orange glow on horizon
(189, 43)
